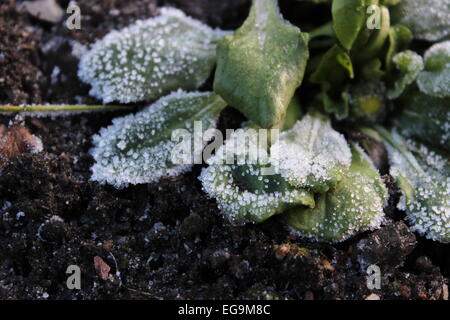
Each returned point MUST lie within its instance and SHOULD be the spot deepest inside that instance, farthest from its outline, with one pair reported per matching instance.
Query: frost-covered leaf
(410, 64)
(349, 17)
(261, 65)
(150, 58)
(311, 154)
(243, 193)
(425, 118)
(424, 177)
(139, 148)
(435, 79)
(354, 205)
(428, 19)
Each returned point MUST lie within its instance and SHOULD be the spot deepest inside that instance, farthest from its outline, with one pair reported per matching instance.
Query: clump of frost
(150, 58)
(138, 148)
(424, 178)
(311, 154)
(242, 191)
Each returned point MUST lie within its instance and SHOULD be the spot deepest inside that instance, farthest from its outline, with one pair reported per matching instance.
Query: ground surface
(164, 240)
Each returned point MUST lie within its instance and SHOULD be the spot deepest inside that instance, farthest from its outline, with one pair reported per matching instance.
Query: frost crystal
(435, 79)
(354, 205)
(428, 19)
(410, 65)
(424, 178)
(311, 154)
(150, 58)
(429, 124)
(242, 192)
(138, 148)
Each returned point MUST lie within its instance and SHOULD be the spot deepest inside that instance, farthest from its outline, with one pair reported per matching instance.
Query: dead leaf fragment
(17, 140)
(102, 268)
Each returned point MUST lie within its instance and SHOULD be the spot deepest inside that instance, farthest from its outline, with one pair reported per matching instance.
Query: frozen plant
(348, 78)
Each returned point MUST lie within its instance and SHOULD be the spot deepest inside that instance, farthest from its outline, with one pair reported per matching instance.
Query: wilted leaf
(311, 154)
(354, 205)
(261, 65)
(139, 148)
(435, 79)
(242, 191)
(424, 178)
(150, 58)
(409, 64)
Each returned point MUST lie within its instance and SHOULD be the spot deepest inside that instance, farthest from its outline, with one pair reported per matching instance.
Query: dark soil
(164, 240)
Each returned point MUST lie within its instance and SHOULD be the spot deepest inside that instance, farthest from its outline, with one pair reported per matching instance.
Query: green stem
(60, 108)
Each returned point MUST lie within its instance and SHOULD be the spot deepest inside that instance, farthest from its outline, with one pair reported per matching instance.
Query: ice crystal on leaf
(354, 205)
(423, 176)
(435, 79)
(428, 19)
(260, 66)
(410, 64)
(150, 58)
(311, 154)
(242, 191)
(138, 148)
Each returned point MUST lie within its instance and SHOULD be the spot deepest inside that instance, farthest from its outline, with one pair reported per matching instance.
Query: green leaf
(428, 124)
(377, 39)
(151, 58)
(428, 19)
(312, 154)
(399, 39)
(435, 79)
(141, 148)
(389, 3)
(349, 17)
(354, 205)
(261, 65)
(424, 177)
(334, 68)
(410, 64)
(243, 192)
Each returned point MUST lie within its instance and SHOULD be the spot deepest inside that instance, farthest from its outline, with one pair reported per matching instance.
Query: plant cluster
(382, 67)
